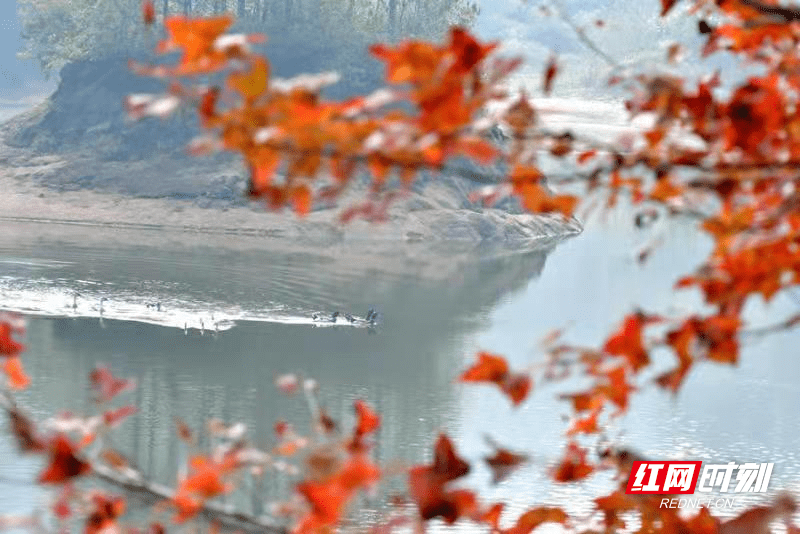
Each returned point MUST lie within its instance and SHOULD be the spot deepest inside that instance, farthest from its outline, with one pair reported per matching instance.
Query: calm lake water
(439, 309)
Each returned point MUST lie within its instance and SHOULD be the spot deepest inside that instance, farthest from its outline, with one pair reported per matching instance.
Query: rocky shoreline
(205, 195)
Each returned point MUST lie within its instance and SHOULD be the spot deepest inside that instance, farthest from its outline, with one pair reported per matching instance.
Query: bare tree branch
(785, 14)
(580, 33)
(218, 512)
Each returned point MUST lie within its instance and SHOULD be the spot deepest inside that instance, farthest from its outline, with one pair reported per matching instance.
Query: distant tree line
(56, 32)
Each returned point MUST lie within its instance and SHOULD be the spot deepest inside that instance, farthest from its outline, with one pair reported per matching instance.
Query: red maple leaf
(628, 341)
(148, 12)
(428, 485)
(205, 481)
(106, 386)
(573, 466)
(467, 50)
(64, 463)
(493, 369)
(329, 497)
(504, 462)
(105, 511)
(530, 520)
(8, 345)
(368, 421)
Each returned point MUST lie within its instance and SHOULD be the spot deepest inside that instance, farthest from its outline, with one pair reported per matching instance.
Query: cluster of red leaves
(65, 459)
(328, 497)
(337, 471)
(202, 43)
(204, 481)
(746, 146)
(431, 488)
(64, 463)
(301, 148)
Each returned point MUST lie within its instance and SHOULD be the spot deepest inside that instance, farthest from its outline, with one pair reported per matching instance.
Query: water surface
(439, 308)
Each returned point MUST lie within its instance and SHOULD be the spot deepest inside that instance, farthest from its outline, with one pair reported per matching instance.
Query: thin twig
(786, 14)
(583, 38)
(786, 324)
(224, 514)
(136, 482)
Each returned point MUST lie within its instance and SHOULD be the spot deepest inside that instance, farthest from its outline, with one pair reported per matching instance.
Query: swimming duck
(319, 317)
(369, 320)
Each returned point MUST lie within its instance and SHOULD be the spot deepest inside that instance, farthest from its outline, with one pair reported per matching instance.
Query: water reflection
(434, 303)
(440, 308)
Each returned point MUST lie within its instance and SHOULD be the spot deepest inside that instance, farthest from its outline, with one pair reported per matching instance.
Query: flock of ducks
(370, 319)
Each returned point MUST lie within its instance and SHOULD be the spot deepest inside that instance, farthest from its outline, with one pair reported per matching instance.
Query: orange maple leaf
(493, 369)
(329, 497)
(196, 38)
(17, 379)
(628, 341)
(367, 420)
(526, 183)
(205, 481)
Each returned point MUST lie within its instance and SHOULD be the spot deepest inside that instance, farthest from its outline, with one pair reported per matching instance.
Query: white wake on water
(88, 299)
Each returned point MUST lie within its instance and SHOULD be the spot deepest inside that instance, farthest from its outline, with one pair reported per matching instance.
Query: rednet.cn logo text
(684, 477)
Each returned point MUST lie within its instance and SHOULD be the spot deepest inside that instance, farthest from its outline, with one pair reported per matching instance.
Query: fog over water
(234, 308)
